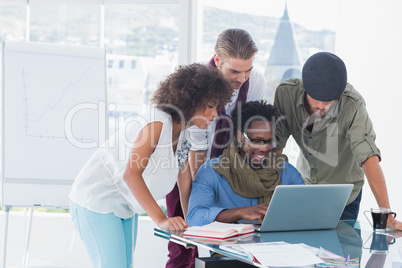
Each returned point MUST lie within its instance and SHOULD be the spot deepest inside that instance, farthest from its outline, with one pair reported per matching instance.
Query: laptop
(305, 207)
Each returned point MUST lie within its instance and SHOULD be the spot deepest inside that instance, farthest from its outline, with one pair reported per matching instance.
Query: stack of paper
(281, 254)
(278, 254)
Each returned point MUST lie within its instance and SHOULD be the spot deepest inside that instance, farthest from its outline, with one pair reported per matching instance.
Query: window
(71, 24)
(145, 36)
(13, 22)
(281, 30)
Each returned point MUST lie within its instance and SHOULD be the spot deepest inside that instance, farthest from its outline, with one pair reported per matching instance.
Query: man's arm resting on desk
(247, 213)
(376, 180)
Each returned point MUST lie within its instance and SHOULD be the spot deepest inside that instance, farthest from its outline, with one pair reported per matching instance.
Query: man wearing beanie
(328, 120)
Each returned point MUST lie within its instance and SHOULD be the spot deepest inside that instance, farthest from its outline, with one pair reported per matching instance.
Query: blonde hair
(235, 43)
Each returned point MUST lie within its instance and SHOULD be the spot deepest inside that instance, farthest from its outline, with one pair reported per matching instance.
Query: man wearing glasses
(239, 183)
(328, 119)
(235, 51)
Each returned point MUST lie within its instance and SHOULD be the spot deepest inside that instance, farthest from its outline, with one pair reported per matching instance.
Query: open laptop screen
(306, 207)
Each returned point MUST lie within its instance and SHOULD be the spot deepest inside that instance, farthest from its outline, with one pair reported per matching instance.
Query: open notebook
(305, 207)
(219, 230)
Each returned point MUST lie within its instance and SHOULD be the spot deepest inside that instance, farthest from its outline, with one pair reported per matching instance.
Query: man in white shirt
(234, 57)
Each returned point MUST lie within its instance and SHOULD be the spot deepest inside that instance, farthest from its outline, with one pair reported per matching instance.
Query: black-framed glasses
(261, 143)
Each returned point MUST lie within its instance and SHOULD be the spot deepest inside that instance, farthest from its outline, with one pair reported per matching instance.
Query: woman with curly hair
(138, 165)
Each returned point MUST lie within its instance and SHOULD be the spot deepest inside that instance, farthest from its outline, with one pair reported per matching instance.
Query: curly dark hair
(189, 88)
(245, 113)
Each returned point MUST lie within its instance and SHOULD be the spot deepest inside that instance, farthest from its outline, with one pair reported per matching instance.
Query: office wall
(368, 39)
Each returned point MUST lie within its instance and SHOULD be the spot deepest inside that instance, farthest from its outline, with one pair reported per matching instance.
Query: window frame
(188, 21)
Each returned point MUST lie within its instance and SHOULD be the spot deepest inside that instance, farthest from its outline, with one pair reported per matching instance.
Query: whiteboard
(53, 119)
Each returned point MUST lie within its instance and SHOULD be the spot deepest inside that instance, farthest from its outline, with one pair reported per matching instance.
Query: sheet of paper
(281, 254)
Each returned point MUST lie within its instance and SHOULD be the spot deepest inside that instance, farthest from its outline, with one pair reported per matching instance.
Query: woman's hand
(173, 224)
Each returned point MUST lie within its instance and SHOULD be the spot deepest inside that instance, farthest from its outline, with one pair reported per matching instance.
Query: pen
(347, 260)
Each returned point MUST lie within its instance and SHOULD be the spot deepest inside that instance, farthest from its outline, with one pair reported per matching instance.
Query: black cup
(380, 217)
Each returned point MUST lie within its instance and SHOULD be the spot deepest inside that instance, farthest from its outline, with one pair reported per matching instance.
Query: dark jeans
(179, 256)
(351, 211)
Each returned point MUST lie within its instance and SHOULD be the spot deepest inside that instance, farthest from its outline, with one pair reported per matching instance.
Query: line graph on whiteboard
(46, 120)
(53, 113)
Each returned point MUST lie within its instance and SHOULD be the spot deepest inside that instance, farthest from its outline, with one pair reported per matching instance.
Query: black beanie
(324, 76)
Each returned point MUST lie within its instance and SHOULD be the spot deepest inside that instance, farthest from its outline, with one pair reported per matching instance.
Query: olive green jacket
(339, 143)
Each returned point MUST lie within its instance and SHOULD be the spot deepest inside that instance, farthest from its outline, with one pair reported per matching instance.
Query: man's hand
(247, 213)
(255, 212)
(393, 224)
